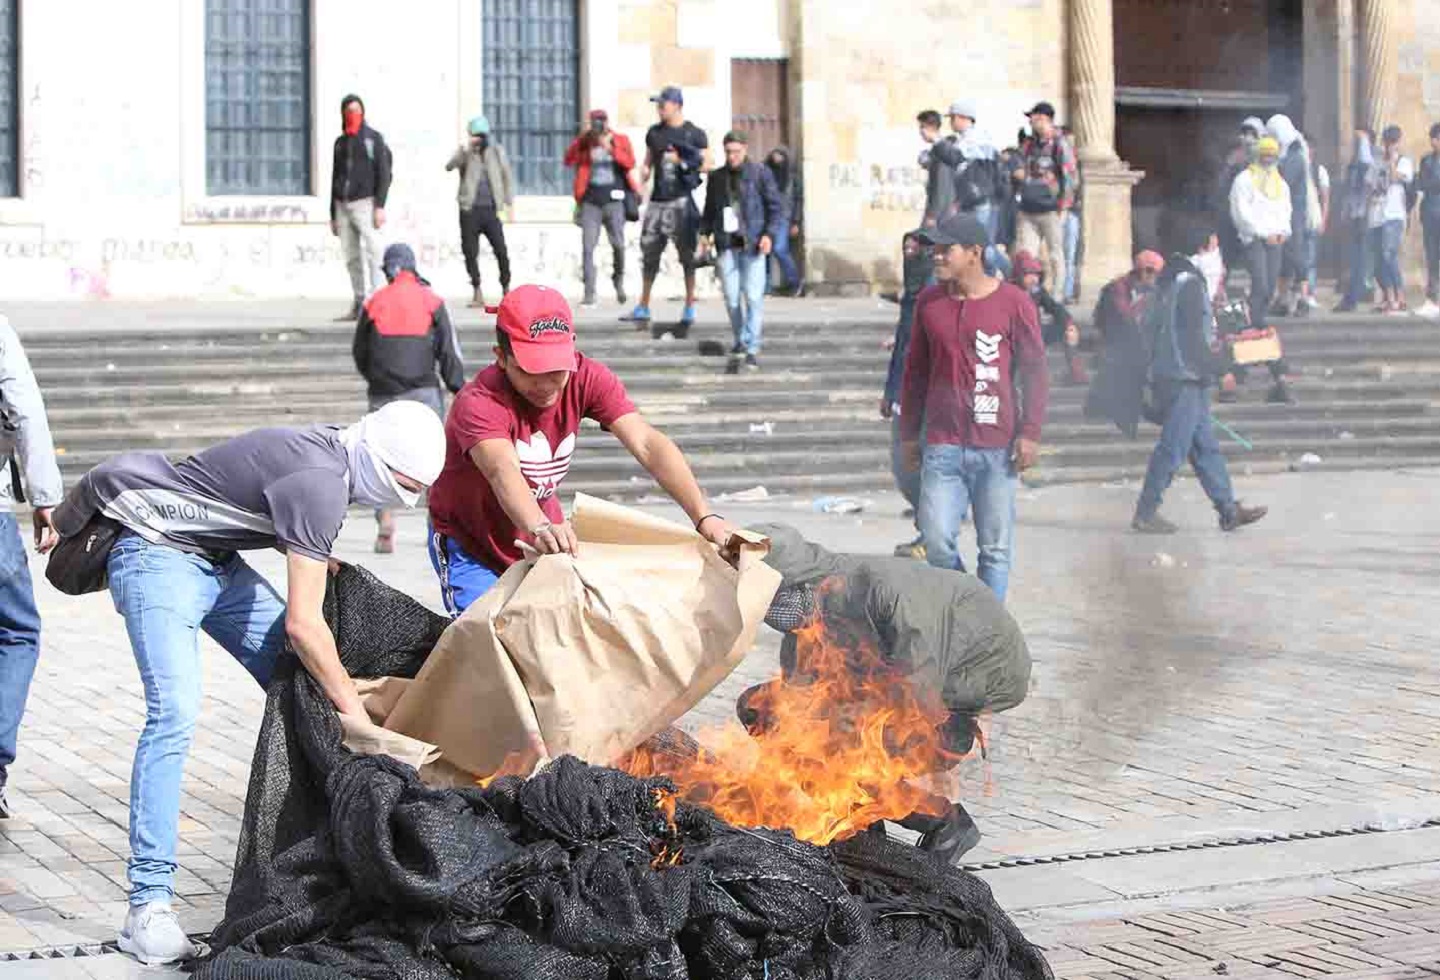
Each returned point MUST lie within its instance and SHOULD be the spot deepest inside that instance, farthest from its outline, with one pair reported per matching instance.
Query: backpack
(976, 182)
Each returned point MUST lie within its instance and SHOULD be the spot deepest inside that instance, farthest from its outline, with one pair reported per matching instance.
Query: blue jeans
(1187, 433)
(954, 479)
(1385, 246)
(167, 597)
(19, 637)
(1359, 256)
(1072, 254)
(462, 578)
(742, 277)
(780, 251)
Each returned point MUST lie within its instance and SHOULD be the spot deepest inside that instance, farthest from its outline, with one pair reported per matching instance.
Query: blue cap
(479, 126)
(670, 93)
(398, 258)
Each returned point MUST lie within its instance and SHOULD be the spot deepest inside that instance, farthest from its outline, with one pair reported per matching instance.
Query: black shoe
(732, 364)
(588, 300)
(751, 363)
(947, 837)
(1154, 524)
(1279, 394)
(798, 292)
(1345, 307)
(1242, 516)
(4, 805)
(620, 296)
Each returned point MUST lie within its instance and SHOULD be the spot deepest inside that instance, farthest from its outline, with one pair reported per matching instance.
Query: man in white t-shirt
(1388, 212)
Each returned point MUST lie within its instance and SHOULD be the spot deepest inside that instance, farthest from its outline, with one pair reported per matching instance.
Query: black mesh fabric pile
(349, 866)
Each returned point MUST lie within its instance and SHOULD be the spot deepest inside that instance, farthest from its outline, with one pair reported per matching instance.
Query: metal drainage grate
(71, 951)
(1026, 862)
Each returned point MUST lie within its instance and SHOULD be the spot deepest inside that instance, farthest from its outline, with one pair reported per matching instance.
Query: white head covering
(402, 437)
(1255, 123)
(1283, 130)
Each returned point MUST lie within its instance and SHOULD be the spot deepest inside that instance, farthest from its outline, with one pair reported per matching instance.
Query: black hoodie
(787, 178)
(361, 167)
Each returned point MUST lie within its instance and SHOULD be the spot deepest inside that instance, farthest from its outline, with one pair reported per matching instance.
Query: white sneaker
(1429, 311)
(152, 935)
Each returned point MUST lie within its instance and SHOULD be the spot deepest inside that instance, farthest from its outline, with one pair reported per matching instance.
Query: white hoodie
(1257, 214)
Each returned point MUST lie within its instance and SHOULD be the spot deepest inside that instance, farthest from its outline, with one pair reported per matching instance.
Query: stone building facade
(109, 189)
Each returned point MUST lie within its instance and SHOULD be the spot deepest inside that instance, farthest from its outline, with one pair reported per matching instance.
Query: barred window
(9, 100)
(532, 87)
(257, 97)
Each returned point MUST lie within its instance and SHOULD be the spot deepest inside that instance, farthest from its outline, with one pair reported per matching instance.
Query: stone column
(1108, 180)
(1377, 51)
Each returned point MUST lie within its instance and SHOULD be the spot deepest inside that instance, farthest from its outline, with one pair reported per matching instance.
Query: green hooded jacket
(944, 628)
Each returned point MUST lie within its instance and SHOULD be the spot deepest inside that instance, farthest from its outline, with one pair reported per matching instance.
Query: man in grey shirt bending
(25, 448)
(176, 571)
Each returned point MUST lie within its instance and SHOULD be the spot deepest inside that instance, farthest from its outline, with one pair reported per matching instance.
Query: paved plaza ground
(1271, 694)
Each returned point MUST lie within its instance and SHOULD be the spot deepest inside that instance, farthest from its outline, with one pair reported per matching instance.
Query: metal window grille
(531, 67)
(257, 97)
(9, 99)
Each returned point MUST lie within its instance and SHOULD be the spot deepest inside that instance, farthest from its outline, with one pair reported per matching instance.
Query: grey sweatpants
(361, 243)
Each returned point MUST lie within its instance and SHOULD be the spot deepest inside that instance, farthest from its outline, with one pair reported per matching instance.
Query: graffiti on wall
(882, 187)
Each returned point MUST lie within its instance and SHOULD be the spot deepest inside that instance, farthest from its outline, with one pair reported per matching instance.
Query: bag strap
(17, 489)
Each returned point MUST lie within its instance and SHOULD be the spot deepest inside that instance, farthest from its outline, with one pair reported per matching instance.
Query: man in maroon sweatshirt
(975, 393)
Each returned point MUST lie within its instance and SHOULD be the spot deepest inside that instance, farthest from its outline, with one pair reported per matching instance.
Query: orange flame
(847, 741)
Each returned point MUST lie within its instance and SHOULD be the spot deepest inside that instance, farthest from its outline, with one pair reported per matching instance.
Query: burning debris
(845, 742)
(349, 866)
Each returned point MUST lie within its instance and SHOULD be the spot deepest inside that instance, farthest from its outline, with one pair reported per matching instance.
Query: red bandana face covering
(354, 116)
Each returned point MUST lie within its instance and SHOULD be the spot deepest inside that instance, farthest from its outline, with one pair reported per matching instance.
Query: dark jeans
(1187, 433)
(593, 217)
(483, 221)
(1263, 261)
(19, 636)
(1385, 246)
(1430, 224)
(1359, 255)
(780, 252)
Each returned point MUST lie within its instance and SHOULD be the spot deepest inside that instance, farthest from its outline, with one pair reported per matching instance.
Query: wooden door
(760, 102)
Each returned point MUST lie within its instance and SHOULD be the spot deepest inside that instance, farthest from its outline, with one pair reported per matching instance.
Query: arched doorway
(1187, 72)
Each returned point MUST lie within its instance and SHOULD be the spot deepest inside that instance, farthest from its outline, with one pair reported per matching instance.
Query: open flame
(848, 740)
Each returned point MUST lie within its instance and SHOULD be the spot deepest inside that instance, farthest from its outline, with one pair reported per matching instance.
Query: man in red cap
(510, 436)
(603, 160)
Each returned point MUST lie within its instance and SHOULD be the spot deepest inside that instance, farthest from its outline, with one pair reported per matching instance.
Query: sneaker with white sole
(152, 935)
(1429, 311)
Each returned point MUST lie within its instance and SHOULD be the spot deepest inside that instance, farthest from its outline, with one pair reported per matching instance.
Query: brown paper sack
(589, 656)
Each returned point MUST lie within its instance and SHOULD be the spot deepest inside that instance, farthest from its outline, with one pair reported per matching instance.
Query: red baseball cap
(540, 326)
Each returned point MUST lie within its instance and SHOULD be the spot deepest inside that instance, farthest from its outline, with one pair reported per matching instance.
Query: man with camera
(602, 159)
(25, 447)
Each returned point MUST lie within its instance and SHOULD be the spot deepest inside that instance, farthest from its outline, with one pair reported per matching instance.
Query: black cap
(958, 229)
(1042, 109)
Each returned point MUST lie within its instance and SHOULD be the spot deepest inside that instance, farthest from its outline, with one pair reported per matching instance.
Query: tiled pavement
(1203, 686)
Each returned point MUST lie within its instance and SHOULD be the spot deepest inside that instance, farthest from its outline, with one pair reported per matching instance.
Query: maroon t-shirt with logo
(975, 372)
(463, 505)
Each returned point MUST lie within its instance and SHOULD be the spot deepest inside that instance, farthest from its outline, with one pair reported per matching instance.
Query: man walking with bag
(175, 570)
(602, 159)
(1180, 331)
(27, 464)
(359, 186)
(487, 189)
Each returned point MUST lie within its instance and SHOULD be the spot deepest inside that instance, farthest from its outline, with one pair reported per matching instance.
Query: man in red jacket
(974, 338)
(602, 159)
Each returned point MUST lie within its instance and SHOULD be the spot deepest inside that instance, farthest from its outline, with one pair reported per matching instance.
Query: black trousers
(1263, 261)
(483, 221)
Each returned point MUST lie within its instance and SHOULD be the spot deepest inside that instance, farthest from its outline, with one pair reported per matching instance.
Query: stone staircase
(806, 424)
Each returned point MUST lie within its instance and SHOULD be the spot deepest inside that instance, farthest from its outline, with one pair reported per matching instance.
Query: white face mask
(373, 484)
